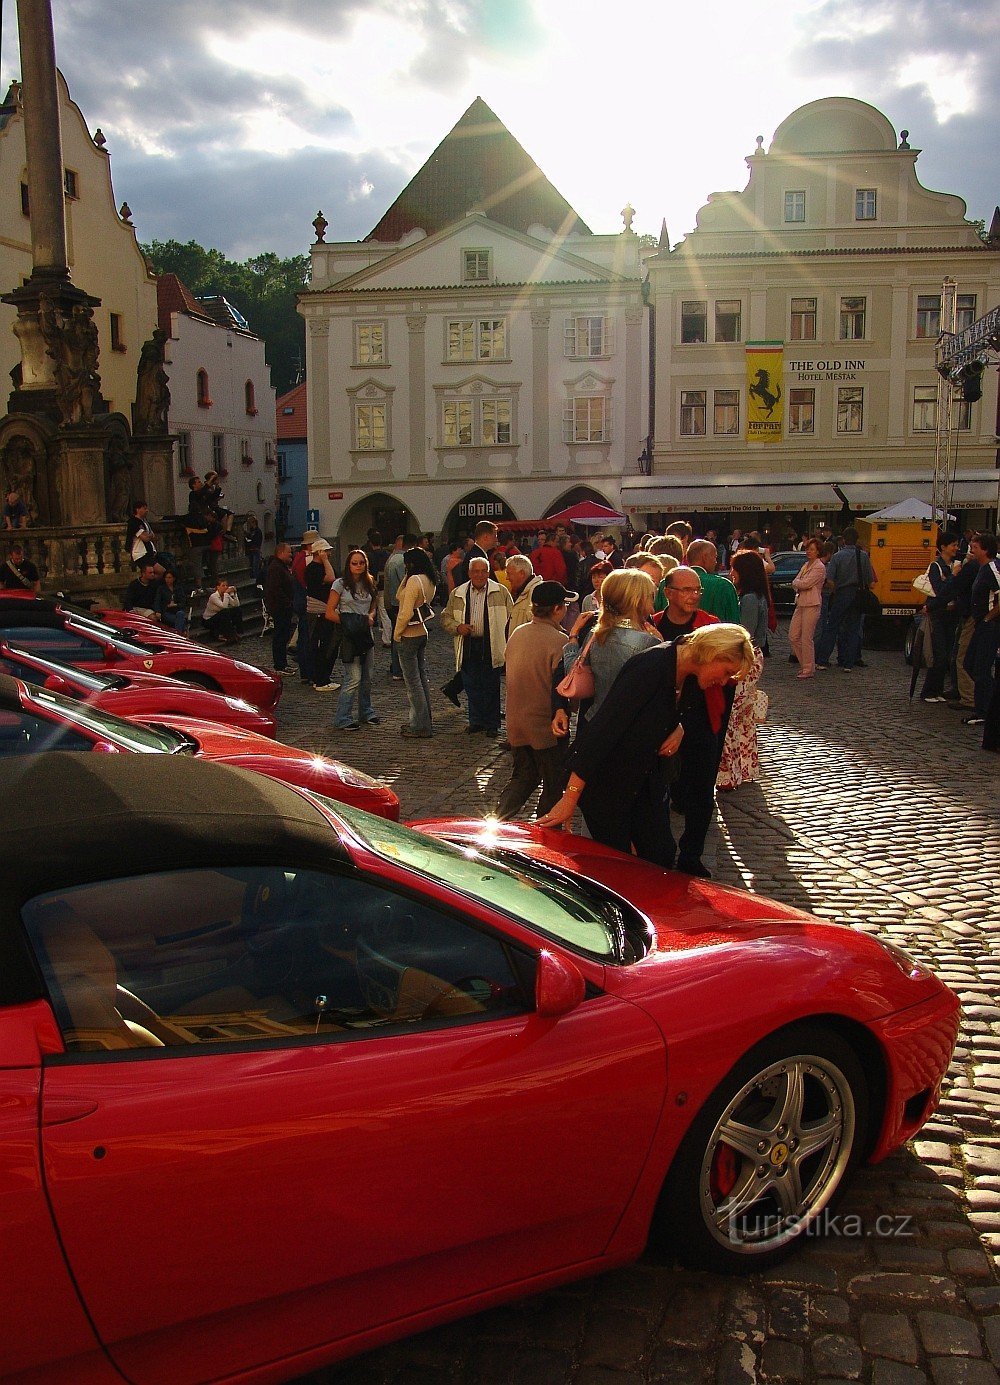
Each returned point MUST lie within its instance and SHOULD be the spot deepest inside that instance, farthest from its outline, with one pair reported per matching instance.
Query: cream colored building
(103, 252)
(834, 255)
(480, 354)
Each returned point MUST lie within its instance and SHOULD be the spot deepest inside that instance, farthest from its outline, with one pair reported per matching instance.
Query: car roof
(77, 817)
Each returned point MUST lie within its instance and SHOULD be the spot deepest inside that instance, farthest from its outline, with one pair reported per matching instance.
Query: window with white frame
(795, 205)
(726, 413)
(928, 315)
(924, 408)
(477, 266)
(587, 334)
(853, 312)
(590, 418)
(694, 320)
(693, 409)
(802, 320)
(850, 409)
(476, 339)
(371, 426)
(476, 422)
(727, 319)
(369, 343)
(965, 311)
(801, 411)
(865, 204)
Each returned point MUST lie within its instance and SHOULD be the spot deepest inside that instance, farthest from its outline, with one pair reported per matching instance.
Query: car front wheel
(767, 1155)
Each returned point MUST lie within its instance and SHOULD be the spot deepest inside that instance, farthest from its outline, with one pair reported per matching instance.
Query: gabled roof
(174, 296)
(479, 164)
(290, 427)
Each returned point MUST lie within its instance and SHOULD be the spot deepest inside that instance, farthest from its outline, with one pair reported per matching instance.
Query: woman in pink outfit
(808, 584)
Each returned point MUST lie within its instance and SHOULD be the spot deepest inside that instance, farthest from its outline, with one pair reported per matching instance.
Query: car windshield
(125, 642)
(126, 734)
(39, 669)
(576, 912)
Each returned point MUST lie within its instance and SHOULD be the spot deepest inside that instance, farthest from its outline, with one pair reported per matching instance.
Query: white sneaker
(326, 687)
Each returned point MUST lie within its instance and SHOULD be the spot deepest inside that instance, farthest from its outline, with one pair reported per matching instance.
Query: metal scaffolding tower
(961, 358)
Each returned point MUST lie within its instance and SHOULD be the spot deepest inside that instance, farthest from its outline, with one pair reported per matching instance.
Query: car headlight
(238, 705)
(907, 965)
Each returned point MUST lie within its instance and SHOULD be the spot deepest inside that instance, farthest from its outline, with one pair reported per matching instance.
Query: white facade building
(482, 354)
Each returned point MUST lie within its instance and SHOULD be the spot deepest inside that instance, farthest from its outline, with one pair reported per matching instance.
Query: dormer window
(477, 267)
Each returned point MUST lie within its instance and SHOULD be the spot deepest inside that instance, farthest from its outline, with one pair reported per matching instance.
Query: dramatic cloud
(231, 122)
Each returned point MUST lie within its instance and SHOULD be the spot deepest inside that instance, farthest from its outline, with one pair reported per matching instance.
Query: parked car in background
(83, 641)
(352, 1080)
(34, 720)
(133, 694)
(786, 566)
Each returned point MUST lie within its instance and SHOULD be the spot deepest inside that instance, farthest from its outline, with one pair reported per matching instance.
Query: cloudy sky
(231, 122)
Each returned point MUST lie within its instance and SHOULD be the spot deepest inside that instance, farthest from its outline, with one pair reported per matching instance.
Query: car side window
(24, 734)
(206, 957)
(44, 639)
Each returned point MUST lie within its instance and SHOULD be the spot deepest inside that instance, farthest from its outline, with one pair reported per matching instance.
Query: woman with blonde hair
(740, 761)
(621, 770)
(622, 629)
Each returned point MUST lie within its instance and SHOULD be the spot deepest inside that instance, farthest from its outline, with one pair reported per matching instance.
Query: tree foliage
(262, 288)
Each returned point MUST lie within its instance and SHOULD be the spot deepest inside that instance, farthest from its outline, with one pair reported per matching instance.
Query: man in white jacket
(476, 614)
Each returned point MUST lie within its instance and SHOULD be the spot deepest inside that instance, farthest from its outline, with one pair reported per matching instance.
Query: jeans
(395, 671)
(841, 628)
(281, 633)
(325, 647)
(411, 653)
(303, 645)
(357, 679)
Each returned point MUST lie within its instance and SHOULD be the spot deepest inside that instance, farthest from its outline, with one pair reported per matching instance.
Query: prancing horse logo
(762, 391)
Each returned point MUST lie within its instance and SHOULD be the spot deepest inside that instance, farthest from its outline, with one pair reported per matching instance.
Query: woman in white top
(410, 634)
(808, 584)
(353, 605)
(222, 613)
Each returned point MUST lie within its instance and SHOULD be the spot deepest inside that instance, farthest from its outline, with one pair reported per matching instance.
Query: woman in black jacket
(621, 772)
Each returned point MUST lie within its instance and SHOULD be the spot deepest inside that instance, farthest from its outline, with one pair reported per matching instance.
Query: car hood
(694, 919)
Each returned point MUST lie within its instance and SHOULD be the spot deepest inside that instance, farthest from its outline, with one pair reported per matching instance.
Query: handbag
(761, 702)
(866, 603)
(579, 681)
(922, 584)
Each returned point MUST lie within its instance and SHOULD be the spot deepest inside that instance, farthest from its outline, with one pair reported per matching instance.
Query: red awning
(587, 513)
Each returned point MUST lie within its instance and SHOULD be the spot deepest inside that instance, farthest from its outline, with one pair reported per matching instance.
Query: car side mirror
(105, 748)
(559, 987)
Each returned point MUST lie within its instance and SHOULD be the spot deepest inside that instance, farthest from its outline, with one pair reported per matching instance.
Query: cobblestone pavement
(869, 812)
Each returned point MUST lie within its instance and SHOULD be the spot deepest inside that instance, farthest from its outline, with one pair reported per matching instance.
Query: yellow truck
(899, 549)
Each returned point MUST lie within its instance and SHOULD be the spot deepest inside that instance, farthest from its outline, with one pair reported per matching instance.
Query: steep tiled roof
(290, 414)
(478, 163)
(174, 296)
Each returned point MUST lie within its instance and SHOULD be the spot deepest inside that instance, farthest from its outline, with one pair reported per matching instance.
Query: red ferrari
(81, 639)
(35, 719)
(133, 694)
(284, 1081)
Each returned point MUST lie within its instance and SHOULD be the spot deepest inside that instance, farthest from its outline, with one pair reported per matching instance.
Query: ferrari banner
(765, 400)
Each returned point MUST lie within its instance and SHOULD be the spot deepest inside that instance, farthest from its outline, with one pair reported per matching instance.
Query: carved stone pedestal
(78, 468)
(153, 472)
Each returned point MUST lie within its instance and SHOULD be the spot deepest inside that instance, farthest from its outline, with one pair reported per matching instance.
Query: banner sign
(765, 398)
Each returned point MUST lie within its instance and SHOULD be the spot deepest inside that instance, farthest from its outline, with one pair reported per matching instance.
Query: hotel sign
(807, 370)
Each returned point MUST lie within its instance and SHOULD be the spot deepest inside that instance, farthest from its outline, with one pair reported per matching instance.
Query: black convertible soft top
(75, 818)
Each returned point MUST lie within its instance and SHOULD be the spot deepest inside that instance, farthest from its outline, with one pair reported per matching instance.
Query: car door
(317, 1105)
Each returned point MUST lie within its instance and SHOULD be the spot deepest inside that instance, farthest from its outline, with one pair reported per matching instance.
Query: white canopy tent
(905, 509)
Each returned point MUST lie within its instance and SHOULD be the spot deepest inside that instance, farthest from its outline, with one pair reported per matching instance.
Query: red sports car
(34, 719)
(133, 694)
(45, 629)
(284, 1080)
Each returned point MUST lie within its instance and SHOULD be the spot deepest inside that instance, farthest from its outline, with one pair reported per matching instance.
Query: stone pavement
(870, 812)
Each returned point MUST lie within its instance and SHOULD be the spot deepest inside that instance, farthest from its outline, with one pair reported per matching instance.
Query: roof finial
(904, 139)
(320, 224)
(99, 139)
(125, 212)
(760, 145)
(664, 243)
(627, 213)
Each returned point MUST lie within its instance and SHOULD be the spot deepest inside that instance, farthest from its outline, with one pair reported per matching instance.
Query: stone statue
(19, 468)
(119, 480)
(152, 388)
(71, 343)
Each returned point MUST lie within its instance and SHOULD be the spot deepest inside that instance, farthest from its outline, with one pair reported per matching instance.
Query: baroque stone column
(541, 406)
(416, 324)
(633, 376)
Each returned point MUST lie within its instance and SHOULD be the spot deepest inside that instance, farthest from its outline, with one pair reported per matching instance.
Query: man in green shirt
(718, 595)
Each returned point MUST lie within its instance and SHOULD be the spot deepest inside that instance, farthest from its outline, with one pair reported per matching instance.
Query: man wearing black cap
(534, 665)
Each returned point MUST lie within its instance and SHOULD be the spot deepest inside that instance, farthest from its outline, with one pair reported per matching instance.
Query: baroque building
(794, 335)
(481, 353)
